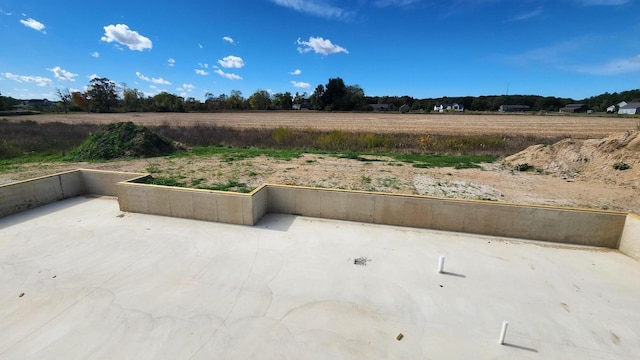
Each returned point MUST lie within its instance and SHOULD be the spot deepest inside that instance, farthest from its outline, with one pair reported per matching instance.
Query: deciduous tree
(102, 94)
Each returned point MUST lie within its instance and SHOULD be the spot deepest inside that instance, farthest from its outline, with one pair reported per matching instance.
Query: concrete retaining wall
(100, 182)
(630, 240)
(572, 226)
(580, 227)
(24, 195)
(206, 205)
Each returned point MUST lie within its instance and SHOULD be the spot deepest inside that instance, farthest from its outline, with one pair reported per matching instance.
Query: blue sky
(420, 48)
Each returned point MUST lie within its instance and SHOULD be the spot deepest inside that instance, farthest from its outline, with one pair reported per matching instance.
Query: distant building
(611, 109)
(448, 107)
(514, 108)
(35, 103)
(630, 109)
(574, 108)
(379, 107)
(404, 108)
(303, 106)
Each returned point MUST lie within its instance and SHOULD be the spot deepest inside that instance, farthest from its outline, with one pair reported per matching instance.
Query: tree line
(104, 95)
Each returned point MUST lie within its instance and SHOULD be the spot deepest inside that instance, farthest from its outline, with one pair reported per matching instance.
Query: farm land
(572, 166)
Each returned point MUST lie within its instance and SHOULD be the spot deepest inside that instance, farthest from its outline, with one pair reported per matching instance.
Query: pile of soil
(592, 159)
(124, 140)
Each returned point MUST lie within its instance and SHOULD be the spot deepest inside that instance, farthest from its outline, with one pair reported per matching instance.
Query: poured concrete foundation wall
(580, 227)
(630, 240)
(23, 195)
(99, 182)
(573, 226)
(206, 205)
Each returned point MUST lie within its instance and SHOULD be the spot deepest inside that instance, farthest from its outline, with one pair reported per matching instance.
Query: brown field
(579, 127)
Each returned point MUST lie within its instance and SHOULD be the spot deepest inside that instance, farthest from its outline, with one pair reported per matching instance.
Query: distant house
(574, 108)
(613, 108)
(448, 107)
(303, 106)
(379, 107)
(514, 108)
(404, 108)
(35, 103)
(630, 109)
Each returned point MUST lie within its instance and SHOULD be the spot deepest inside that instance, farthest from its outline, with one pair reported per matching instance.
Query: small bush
(621, 166)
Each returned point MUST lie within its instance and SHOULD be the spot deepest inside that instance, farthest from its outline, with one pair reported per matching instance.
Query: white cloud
(34, 24)
(186, 87)
(300, 84)
(38, 80)
(206, 66)
(171, 62)
(528, 15)
(141, 76)
(200, 46)
(160, 81)
(5, 13)
(316, 8)
(228, 75)
(153, 80)
(613, 67)
(231, 62)
(62, 74)
(93, 76)
(228, 39)
(95, 54)
(201, 72)
(121, 34)
(296, 72)
(319, 46)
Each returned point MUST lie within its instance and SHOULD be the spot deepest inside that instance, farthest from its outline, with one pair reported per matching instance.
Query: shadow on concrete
(278, 222)
(43, 210)
(520, 347)
(453, 274)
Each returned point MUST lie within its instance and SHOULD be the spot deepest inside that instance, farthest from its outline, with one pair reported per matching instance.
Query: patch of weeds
(153, 168)
(390, 182)
(366, 179)
(164, 181)
(196, 182)
(435, 160)
(621, 166)
(231, 185)
(252, 174)
(310, 161)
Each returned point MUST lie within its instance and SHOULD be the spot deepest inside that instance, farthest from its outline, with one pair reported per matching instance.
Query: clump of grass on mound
(123, 140)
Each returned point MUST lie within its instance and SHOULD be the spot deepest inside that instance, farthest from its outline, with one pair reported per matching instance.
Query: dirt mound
(123, 140)
(592, 159)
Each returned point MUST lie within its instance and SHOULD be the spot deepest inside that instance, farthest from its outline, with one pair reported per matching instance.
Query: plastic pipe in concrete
(503, 332)
(441, 264)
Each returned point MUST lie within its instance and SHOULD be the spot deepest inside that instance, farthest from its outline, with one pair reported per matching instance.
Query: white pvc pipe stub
(441, 264)
(503, 332)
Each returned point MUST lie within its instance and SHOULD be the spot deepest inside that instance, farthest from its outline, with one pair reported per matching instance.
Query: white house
(611, 109)
(630, 109)
(448, 107)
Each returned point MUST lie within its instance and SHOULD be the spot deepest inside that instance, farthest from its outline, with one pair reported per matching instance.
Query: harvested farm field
(579, 127)
(582, 170)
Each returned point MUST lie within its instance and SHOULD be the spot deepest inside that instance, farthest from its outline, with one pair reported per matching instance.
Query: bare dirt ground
(572, 173)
